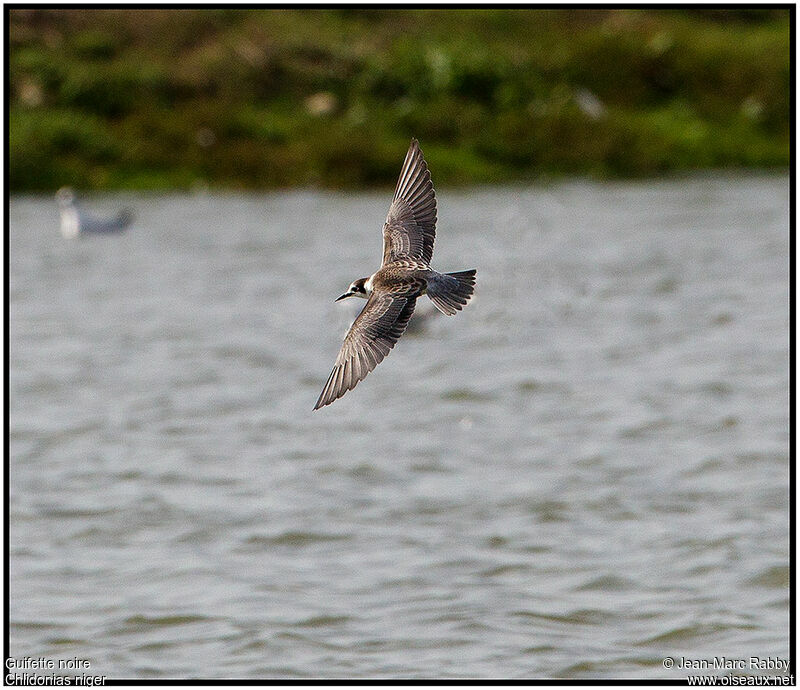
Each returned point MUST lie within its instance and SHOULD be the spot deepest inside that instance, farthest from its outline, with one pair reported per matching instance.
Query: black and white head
(358, 288)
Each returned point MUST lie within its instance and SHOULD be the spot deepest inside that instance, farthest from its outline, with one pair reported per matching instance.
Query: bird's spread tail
(451, 291)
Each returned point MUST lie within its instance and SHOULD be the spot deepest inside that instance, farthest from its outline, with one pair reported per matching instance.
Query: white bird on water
(75, 221)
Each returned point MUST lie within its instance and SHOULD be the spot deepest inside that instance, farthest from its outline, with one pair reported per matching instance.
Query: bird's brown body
(407, 278)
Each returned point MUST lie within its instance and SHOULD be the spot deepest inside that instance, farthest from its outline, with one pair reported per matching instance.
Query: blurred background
(161, 99)
(584, 474)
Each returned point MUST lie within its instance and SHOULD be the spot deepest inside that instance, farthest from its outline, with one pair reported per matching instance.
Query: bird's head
(358, 288)
(65, 197)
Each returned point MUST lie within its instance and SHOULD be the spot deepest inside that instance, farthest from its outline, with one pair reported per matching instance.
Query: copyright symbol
(669, 662)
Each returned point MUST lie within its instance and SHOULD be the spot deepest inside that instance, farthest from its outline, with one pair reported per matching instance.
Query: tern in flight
(405, 274)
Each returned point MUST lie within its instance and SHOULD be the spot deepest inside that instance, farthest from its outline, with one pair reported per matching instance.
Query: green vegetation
(148, 99)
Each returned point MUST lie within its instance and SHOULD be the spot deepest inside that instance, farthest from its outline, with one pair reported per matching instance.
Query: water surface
(582, 473)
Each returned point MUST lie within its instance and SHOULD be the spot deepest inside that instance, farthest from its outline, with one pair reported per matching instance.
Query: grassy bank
(105, 99)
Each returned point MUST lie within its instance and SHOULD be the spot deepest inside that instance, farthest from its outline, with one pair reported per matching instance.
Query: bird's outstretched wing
(410, 227)
(374, 332)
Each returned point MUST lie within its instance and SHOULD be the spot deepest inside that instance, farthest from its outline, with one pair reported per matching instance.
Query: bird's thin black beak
(346, 294)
